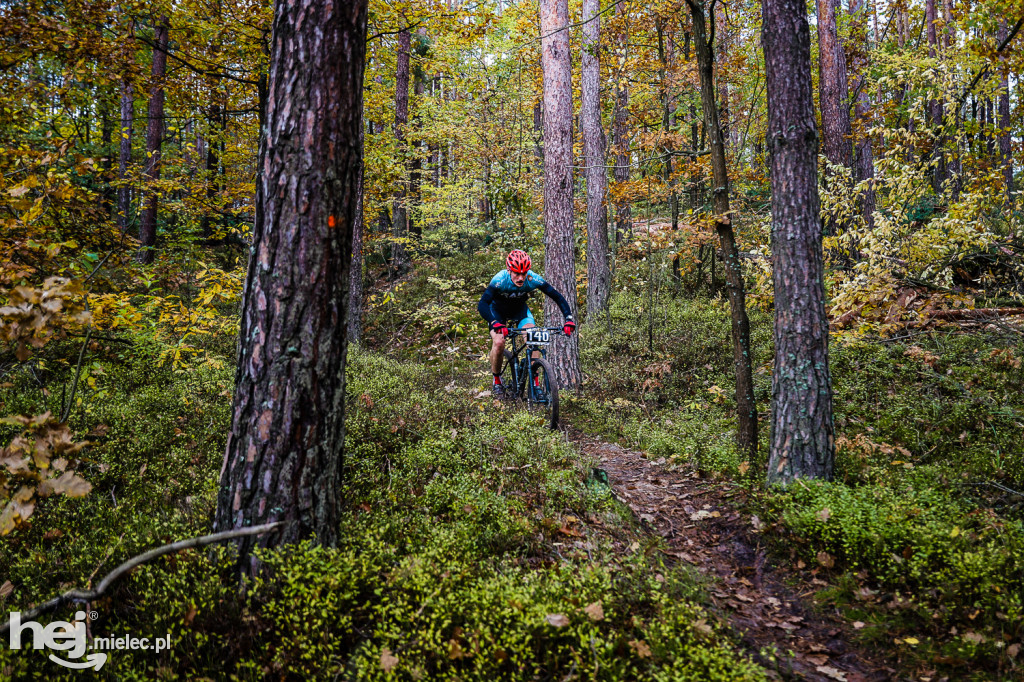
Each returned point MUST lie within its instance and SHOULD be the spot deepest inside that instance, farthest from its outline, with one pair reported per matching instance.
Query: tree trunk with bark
(559, 254)
(834, 98)
(598, 274)
(215, 128)
(620, 140)
(746, 407)
(864, 164)
(416, 148)
(1005, 142)
(285, 450)
(107, 135)
(154, 141)
(802, 444)
(400, 226)
(355, 280)
(935, 106)
(666, 124)
(124, 159)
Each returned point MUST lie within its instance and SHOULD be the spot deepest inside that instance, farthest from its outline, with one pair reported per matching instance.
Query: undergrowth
(473, 547)
(920, 534)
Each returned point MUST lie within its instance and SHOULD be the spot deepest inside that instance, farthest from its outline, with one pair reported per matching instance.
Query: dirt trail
(700, 523)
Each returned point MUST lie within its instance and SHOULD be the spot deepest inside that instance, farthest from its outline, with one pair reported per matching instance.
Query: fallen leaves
(388, 660)
(826, 559)
(641, 648)
(595, 611)
(832, 673)
(703, 627)
(558, 620)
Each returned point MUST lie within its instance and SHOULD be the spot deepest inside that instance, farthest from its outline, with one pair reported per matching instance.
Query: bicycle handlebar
(523, 330)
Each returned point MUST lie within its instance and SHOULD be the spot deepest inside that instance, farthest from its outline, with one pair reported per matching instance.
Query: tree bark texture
(355, 280)
(833, 95)
(107, 133)
(666, 124)
(559, 254)
(598, 274)
(416, 148)
(746, 407)
(801, 437)
(215, 132)
(935, 106)
(154, 141)
(285, 450)
(124, 159)
(864, 164)
(833, 91)
(620, 140)
(399, 226)
(1005, 146)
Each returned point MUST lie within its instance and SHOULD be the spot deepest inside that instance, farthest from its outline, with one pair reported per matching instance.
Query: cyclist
(504, 301)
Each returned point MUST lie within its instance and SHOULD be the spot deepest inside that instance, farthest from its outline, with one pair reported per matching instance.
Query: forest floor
(704, 524)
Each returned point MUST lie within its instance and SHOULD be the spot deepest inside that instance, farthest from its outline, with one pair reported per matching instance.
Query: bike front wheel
(510, 376)
(542, 391)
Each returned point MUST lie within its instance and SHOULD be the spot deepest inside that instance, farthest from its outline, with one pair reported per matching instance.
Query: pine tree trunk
(538, 134)
(124, 159)
(284, 453)
(107, 135)
(666, 123)
(154, 141)
(416, 164)
(834, 97)
(864, 164)
(935, 106)
(746, 407)
(355, 280)
(400, 227)
(598, 274)
(1005, 147)
(721, 46)
(620, 140)
(214, 132)
(559, 255)
(696, 176)
(801, 436)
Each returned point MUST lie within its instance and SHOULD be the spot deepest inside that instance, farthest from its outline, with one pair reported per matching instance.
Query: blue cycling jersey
(503, 300)
(506, 288)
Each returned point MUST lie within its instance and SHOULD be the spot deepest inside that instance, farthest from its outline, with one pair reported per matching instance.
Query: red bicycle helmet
(518, 261)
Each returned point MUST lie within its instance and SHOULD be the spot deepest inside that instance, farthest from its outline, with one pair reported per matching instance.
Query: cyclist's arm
(485, 307)
(555, 296)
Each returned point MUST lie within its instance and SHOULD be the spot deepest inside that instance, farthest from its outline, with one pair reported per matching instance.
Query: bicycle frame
(521, 366)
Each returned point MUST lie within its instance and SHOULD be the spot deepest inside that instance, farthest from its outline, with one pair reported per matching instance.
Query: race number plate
(537, 336)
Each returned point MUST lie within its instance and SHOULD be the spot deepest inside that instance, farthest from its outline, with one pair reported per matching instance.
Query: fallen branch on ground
(135, 562)
(974, 313)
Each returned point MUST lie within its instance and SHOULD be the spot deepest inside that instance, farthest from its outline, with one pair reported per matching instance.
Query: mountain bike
(528, 378)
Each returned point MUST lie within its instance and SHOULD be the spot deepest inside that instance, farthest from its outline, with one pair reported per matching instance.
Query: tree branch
(135, 562)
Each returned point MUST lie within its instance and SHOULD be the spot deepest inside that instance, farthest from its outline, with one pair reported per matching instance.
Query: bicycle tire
(509, 376)
(548, 386)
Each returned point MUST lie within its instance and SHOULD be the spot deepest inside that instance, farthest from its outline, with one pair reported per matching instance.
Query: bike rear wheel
(542, 391)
